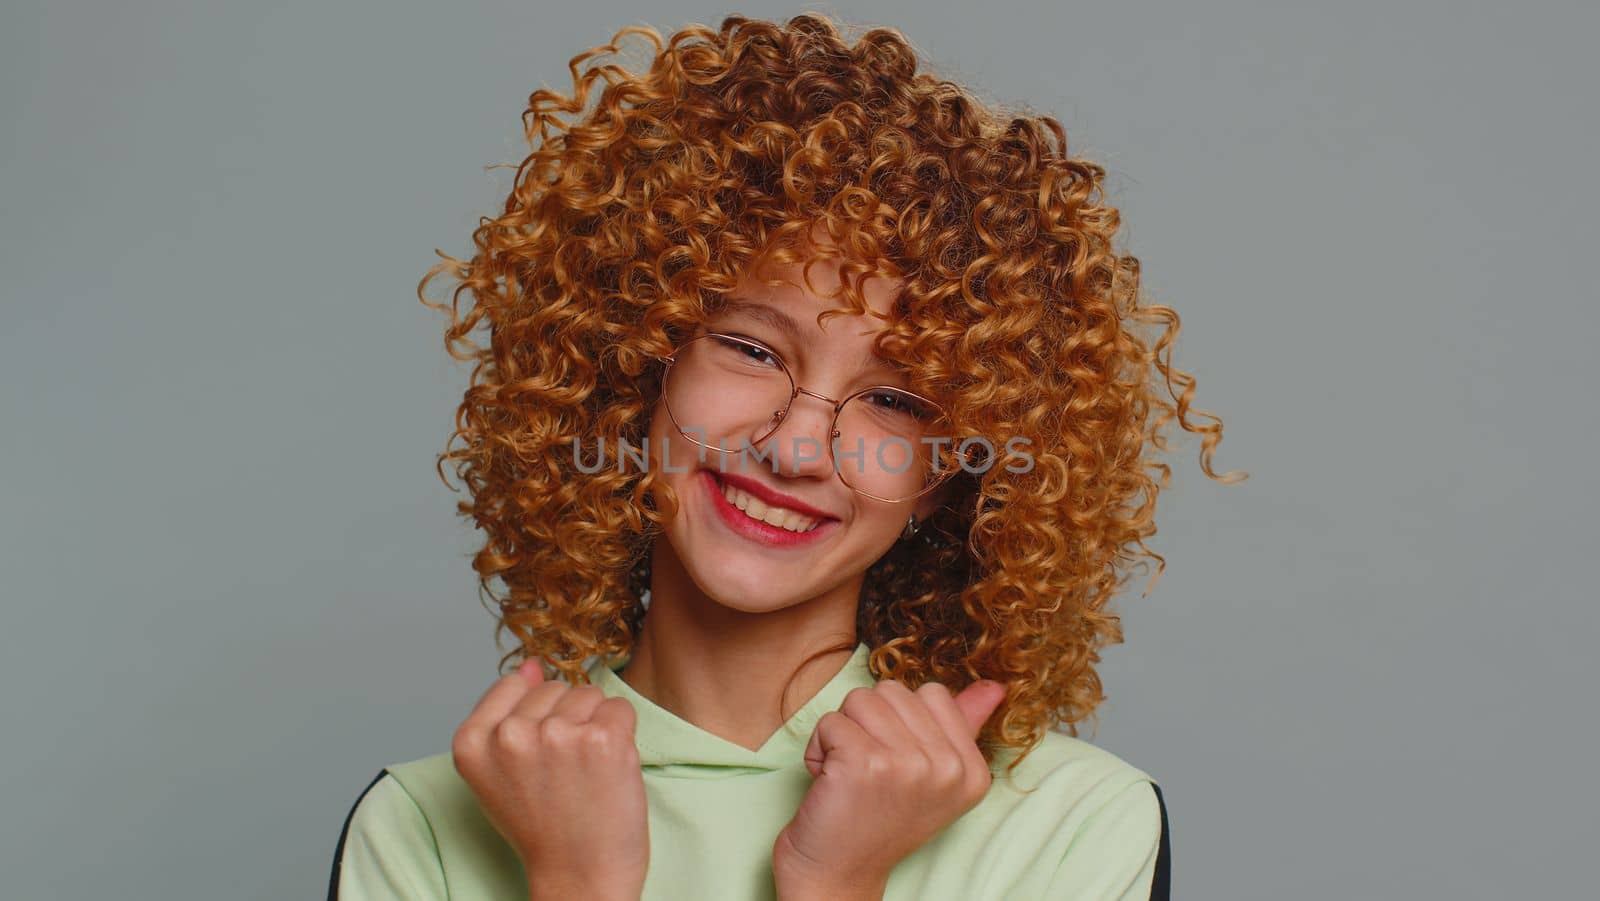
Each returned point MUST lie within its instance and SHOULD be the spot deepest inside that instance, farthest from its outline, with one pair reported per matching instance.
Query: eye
(748, 349)
(899, 404)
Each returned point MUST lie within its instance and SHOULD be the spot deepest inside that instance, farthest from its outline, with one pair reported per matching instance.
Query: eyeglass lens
(731, 394)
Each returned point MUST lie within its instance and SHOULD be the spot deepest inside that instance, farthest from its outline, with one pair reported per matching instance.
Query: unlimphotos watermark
(809, 450)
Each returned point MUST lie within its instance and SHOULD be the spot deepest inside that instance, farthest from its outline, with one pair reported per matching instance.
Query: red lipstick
(772, 496)
(754, 529)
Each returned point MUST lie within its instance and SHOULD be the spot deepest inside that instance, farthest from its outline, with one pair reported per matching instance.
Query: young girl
(811, 441)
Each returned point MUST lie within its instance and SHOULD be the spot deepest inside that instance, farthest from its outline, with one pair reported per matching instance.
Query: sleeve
(386, 851)
(1122, 853)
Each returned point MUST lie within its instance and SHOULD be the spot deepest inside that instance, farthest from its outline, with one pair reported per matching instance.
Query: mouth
(769, 524)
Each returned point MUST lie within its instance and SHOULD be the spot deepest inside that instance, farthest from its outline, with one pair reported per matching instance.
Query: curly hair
(629, 220)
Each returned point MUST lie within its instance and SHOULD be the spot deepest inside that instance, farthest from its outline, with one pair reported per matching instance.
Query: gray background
(234, 587)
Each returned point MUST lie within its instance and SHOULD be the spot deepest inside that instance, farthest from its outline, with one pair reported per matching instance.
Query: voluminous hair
(630, 218)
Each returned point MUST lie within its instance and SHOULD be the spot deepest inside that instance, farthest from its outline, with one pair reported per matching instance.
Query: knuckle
(515, 735)
(949, 772)
(977, 785)
(934, 689)
(598, 739)
(857, 701)
(616, 747)
(466, 748)
(891, 686)
(978, 792)
(558, 732)
(878, 765)
(911, 770)
(625, 712)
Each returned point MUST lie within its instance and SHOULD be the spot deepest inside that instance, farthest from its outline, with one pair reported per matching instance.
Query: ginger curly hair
(627, 222)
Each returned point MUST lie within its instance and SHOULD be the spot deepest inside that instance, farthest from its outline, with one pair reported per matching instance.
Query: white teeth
(755, 508)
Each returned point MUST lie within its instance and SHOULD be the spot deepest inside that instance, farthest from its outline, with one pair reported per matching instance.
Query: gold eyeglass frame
(782, 415)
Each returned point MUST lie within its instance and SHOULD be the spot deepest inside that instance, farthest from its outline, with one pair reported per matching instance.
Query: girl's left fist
(891, 768)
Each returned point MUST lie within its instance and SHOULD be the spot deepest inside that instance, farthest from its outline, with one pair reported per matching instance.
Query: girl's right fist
(555, 768)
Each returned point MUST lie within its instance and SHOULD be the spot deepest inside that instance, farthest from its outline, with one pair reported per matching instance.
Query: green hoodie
(1094, 828)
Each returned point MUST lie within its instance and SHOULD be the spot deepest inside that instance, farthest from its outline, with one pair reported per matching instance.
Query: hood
(665, 739)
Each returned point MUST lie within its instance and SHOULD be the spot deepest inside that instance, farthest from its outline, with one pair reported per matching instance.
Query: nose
(801, 446)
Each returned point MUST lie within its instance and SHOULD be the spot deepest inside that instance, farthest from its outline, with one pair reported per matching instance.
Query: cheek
(879, 525)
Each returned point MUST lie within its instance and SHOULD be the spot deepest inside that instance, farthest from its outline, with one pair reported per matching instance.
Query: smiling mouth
(758, 510)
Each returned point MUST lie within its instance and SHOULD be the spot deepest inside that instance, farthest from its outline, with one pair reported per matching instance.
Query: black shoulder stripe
(1161, 886)
(338, 851)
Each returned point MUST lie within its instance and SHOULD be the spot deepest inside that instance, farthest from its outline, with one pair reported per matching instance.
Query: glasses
(734, 393)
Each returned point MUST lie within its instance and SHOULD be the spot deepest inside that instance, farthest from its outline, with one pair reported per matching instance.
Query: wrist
(566, 890)
(828, 894)
(556, 893)
(821, 890)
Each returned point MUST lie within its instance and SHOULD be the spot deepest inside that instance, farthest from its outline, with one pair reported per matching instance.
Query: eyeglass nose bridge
(837, 405)
(822, 397)
(670, 359)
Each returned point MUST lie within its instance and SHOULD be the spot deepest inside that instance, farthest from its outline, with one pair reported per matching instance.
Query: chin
(748, 591)
(754, 604)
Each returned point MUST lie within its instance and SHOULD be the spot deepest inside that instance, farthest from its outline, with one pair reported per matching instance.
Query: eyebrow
(785, 323)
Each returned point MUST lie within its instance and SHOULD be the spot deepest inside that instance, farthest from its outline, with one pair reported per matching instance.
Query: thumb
(978, 700)
(814, 755)
(532, 670)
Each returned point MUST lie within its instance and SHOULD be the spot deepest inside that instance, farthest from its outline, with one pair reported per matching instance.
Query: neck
(726, 670)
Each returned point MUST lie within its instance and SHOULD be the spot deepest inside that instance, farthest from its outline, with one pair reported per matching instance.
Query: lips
(770, 496)
(765, 534)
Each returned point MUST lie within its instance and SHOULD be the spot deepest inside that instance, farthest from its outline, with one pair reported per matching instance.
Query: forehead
(775, 292)
(850, 327)
(791, 310)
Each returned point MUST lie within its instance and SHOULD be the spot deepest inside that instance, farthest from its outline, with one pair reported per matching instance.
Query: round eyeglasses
(729, 393)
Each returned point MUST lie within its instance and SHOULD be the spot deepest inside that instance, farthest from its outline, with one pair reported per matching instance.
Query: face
(756, 566)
